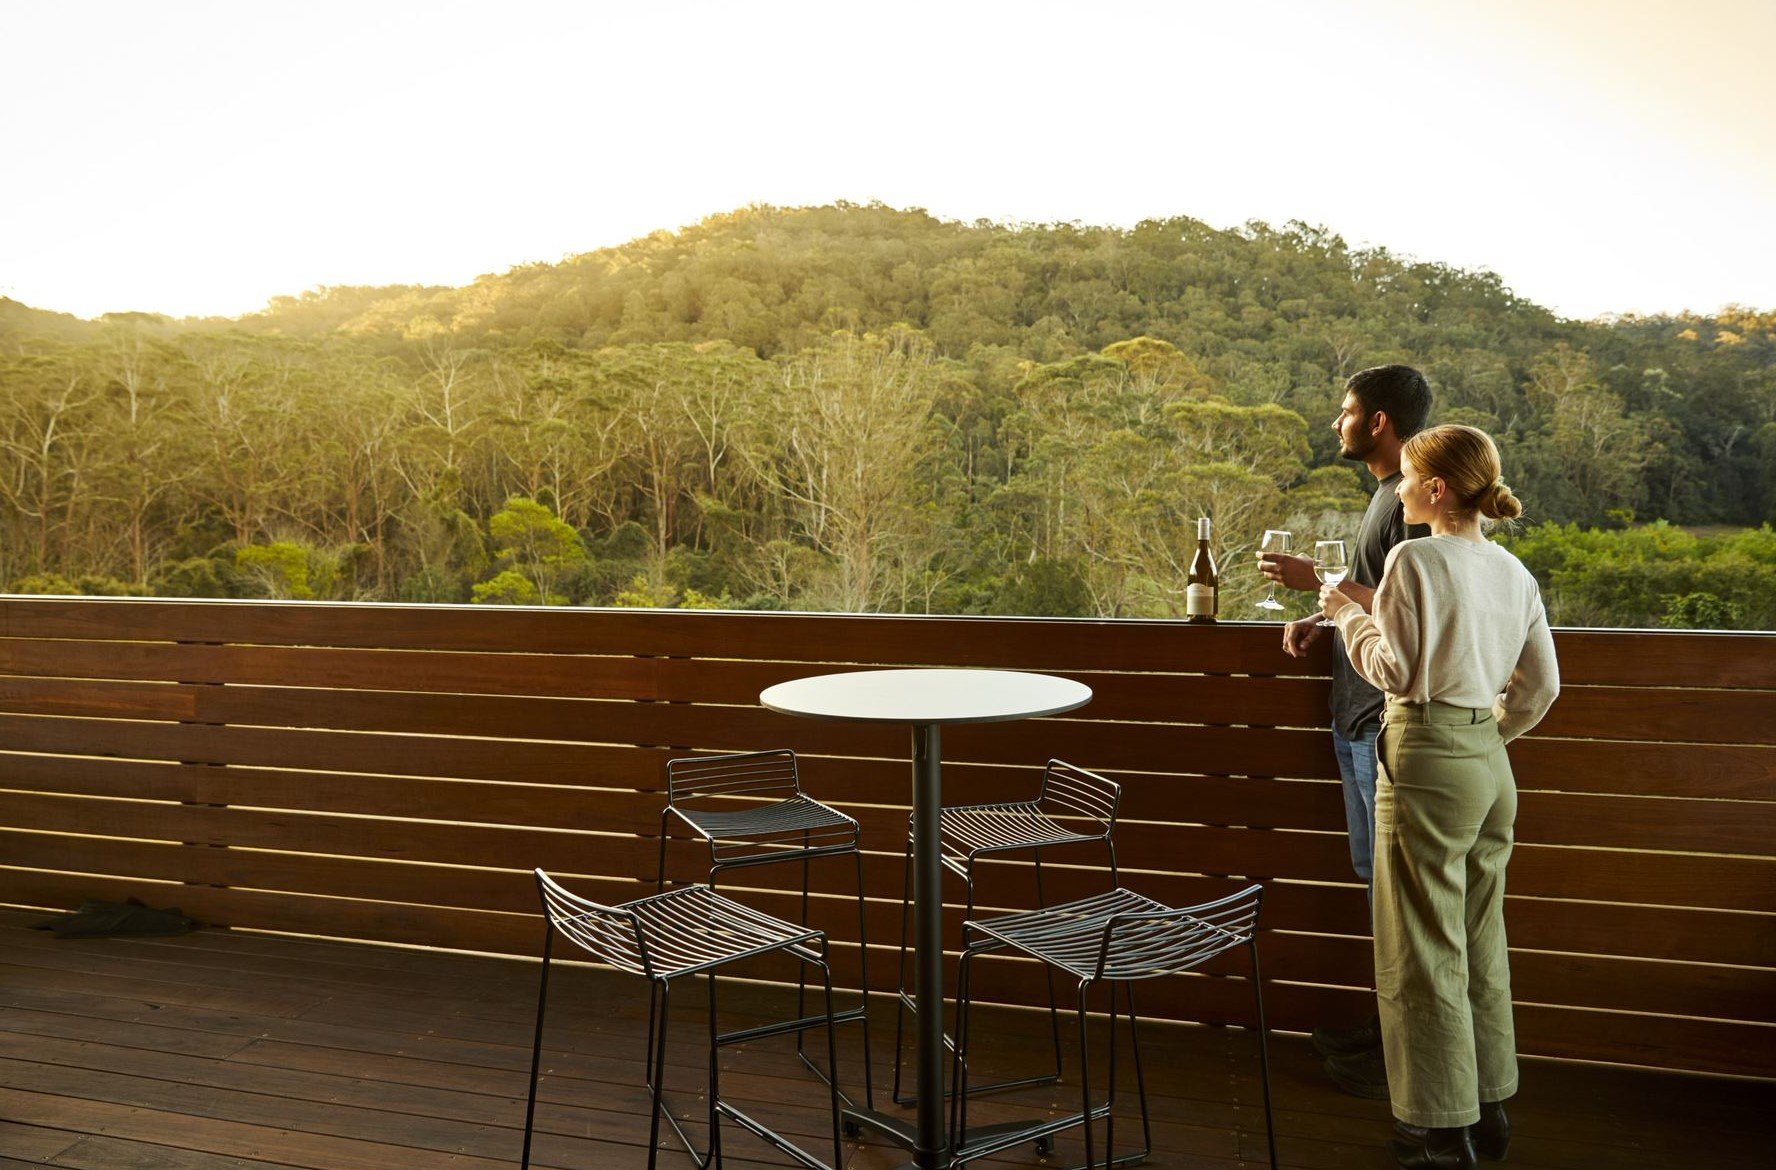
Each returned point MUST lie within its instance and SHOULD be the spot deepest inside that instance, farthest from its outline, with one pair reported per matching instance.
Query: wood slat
(1165, 697)
(1589, 657)
(1657, 1040)
(440, 671)
(476, 801)
(1662, 714)
(1672, 879)
(1542, 977)
(838, 639)
(428, 756)
(1654, 823)
(468, 759)
(1666, 658)
(1544, 818)
(1715, 771)
(681, 728)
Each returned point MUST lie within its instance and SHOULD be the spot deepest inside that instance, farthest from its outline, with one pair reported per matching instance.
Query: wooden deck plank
(202, 1053)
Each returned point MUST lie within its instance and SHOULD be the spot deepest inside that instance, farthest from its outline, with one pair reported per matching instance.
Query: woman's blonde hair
(1467, 461)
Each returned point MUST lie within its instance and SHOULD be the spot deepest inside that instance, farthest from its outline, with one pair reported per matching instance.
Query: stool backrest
(1070, 791)
(769, 775)
(610, 933)
(1147, 944)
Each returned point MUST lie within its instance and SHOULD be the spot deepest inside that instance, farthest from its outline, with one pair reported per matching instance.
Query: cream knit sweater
(1457, 621)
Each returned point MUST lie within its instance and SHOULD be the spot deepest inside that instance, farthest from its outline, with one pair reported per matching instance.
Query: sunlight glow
(202, 157)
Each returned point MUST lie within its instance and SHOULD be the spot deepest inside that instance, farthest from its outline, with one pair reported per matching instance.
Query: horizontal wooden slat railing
(392, 773)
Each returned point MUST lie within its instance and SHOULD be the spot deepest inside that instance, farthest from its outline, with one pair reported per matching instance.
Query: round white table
(925, 699)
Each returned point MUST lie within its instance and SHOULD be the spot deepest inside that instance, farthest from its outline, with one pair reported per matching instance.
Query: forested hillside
(863, 408)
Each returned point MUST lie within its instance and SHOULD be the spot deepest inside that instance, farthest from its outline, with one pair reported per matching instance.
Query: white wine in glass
(1330, 566)
(1275, 541)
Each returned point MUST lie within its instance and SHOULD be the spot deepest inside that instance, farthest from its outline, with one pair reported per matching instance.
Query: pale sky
(192, 157)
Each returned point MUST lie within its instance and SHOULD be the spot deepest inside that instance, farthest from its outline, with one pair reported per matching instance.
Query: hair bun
(1499, 502)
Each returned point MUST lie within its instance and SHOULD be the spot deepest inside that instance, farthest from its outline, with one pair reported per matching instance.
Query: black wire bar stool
(1071, 806)
(690, 931)
(750, 809)
(1119, 938)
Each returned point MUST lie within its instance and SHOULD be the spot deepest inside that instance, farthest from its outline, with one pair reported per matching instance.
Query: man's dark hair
(1400, 390)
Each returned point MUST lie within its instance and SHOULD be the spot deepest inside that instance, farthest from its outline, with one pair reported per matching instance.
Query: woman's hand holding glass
(1331, 567)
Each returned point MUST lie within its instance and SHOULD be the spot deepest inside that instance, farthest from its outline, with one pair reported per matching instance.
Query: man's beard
(1350, 448)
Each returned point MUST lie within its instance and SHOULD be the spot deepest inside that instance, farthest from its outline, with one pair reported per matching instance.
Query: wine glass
(1330, 566)
(1275, 541)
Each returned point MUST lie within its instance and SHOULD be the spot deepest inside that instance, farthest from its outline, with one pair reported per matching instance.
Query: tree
(533, 541)
(46, 436)
(843, 444)
(1589, 450)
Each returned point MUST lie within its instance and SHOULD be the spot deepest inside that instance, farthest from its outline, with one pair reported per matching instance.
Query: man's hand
(1289, 570)
(1301, 633)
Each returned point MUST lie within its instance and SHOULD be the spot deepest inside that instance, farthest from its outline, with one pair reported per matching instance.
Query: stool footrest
(900, 1132)
(985, 1140)
(782, 1027)
(770, 1135)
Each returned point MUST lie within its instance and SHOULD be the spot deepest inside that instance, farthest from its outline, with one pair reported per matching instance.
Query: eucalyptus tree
(841, 445)
(678, 407)
(48, 437)
(254, 460)
(145, 418)
(553, 433)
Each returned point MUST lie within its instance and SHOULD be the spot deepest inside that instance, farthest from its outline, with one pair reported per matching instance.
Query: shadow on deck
(253, 1052)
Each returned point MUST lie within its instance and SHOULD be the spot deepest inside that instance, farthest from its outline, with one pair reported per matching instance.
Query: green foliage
(295, 571)
(196, 577)
(541, 548)
(1654, 575)
(855, 407)
(1045, 589)
(507, 587)
(52, 584)
(1701, 611)
(279, 570)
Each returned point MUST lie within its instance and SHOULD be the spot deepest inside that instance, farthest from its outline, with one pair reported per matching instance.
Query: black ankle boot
(1417, 1147)
(1492, 1133)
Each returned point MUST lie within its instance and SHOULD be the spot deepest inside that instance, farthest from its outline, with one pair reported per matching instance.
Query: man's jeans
(1356, 767)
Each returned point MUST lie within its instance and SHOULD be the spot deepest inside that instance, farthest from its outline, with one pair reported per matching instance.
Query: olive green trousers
(1445, 803)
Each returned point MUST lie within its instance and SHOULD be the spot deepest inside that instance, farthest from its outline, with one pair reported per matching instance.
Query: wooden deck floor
(253, 1052)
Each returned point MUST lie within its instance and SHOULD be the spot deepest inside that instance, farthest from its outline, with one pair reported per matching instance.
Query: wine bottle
(1202, 587)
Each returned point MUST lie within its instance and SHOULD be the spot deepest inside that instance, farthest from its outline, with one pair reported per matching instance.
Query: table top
(950, 695)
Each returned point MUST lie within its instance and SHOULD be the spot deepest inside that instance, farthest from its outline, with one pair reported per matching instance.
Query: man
(1382, 408)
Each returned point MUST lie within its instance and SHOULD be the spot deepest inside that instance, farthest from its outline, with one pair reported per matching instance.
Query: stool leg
(714, 1155)
(1043, 1078)
(536, 1049)
(832, 1053)
(900, 999)
(1140, 1076)
(959, 1059)
(659, 1000)
(1085, 1095)
(869, 1090)
(1110, 1094)
(1054, 1013)
(1263, 1053)
(802, 968)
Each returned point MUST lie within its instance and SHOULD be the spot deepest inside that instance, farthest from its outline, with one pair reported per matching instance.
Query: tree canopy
(856, 407)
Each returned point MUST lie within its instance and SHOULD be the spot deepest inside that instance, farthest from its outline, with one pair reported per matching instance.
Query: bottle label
(1199, 600)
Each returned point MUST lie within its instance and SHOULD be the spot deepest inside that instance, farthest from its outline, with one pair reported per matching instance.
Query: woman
(1459, 641)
